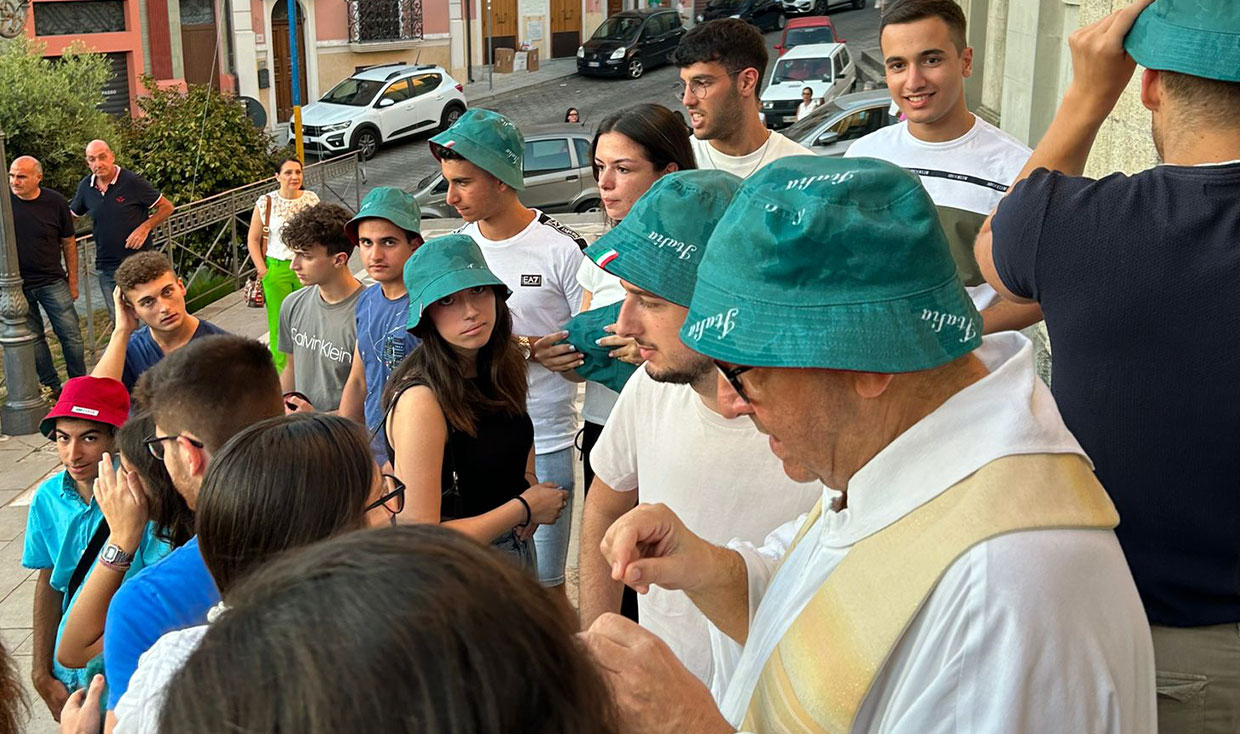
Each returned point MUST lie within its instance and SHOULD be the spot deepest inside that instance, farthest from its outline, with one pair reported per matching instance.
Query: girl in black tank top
(458, 433)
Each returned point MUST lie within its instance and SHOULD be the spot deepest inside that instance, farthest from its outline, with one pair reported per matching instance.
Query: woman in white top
(808, 103)
(272, 259)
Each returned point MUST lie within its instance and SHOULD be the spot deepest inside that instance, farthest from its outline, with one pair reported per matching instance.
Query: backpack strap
(87, 560)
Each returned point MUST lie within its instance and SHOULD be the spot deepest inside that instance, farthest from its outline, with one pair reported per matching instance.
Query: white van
(826, 68)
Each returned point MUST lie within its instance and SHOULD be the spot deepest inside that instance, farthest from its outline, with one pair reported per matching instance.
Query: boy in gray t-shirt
(317, 332)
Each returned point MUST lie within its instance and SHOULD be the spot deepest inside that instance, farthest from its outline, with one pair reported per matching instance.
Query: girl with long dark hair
(459, 436)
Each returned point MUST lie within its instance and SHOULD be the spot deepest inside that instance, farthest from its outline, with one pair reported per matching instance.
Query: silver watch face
(114, 554)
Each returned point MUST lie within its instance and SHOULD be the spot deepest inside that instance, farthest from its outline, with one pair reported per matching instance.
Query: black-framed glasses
(393, 497)
(700, 87)
(155, 444)
(732, 373)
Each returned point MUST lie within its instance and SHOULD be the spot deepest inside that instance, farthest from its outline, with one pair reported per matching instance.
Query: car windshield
(802, 70)
(810, 123)
(618, 28)
(353, 92)
(818, 34)
(726, 3)
(426, 181)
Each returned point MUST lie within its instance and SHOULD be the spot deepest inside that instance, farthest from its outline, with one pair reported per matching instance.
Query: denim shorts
(521, 552)
(552, 540)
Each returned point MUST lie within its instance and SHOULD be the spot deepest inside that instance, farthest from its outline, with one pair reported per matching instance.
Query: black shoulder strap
(88, 559)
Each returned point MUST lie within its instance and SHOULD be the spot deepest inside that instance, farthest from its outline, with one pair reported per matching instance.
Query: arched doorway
(283, 59)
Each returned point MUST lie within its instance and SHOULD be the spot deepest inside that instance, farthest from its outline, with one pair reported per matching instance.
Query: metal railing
(206, 239)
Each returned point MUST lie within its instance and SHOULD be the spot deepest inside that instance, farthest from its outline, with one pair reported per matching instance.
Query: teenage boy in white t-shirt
(721, 65)
(965, 163)
(537, 258)
(666, 440)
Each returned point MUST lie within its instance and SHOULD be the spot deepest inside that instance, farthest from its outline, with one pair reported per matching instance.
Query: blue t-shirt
(382, 342)
(115, 214)
(142, 353)
(173, 594)
(1136, 276)
(59, 527)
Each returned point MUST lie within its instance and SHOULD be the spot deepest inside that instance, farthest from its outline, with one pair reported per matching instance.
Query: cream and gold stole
(823, 667)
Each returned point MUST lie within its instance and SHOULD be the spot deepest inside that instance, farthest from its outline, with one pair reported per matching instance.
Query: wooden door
(283, 60)
(198, 49)
(614, 6)
(565, 28)
(503, 24)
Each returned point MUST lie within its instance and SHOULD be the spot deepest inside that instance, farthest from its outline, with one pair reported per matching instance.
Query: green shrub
(193, 144)
(50, 109)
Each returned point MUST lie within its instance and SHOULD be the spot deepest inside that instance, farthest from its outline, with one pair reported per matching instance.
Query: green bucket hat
(837, 263)
(597, 366)
(390, 203)
(441, 267)
(660, 244)
(1189, 36)
(489, 141)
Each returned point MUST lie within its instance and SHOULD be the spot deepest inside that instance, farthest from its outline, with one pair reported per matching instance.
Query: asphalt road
(405, 164)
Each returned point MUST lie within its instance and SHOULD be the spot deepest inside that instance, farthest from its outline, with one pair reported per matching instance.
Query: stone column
(1124, 143)
(23, 407)
(994, 55)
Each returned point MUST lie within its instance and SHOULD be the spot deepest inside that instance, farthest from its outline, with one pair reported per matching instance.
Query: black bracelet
(529, 515)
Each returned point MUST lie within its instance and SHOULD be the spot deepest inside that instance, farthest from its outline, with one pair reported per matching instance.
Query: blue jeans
(521, 552)
(107, 284)
(552, 540)
(54, 298)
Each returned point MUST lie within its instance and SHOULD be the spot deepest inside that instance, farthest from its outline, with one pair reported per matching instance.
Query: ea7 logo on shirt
(531, 281)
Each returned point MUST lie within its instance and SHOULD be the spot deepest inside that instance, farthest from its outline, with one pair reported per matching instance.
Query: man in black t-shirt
(1137, 277)
(44, 231)
(124, 209)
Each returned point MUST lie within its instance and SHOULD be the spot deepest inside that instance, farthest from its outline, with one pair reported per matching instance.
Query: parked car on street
(817, 7)
(629, 43)
(381, 104)
(767, 15)
(831, 129)
(826, 68)
(559, 174)
(800, 31)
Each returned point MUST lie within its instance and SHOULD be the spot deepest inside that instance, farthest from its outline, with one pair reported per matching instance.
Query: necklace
(710, 155)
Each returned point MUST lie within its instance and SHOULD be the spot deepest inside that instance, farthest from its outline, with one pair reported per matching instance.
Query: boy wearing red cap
(64, 517)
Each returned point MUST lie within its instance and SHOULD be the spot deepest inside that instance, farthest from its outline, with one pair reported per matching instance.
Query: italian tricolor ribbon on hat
(605, 257)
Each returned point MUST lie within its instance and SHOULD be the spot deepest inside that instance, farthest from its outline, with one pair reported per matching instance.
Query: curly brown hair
(143, 267)
(318, 225)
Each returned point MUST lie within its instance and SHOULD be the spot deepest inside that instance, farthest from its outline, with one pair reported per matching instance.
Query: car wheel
(781, 20)
(589, 205)
(366, 143)
(451, 114)
(635, 68)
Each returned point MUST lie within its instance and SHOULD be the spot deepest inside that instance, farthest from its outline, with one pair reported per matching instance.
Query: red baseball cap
(99, 399)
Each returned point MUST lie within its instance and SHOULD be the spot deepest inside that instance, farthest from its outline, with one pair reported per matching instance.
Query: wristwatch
(115, 557)
(526, 348)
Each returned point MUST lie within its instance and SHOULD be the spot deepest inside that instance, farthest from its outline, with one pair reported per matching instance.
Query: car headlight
(618, 53)
(768, 105)
(581, 52)
(734, 16)
(701, 18)
(337, 126)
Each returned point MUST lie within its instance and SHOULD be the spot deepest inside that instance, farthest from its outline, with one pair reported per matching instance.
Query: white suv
(379, 104)
(826, 68)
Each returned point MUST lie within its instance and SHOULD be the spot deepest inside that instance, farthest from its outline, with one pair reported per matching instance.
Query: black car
(765, 14)
(628, 43)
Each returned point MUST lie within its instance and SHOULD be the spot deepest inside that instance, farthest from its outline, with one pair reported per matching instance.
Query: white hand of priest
(654, 692)
(650, 545)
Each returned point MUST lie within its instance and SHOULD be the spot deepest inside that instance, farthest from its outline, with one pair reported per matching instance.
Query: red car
(814, 29)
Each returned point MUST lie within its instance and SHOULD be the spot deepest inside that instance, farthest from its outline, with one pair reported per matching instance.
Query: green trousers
(278, 283)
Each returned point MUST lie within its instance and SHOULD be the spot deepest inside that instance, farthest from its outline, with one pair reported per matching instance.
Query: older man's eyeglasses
(392, 499)
(732, 373)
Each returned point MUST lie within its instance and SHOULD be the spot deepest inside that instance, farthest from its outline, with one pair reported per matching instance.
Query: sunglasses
(155, 444)
(732, 373)
(392, 499)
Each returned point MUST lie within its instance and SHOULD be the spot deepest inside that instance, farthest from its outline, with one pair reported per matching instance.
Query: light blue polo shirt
(58, 529)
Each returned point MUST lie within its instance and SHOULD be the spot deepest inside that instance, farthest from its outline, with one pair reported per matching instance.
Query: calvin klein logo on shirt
(724, 322)
(938, 320)
(327, 350)
(683, 249)
(531, 281)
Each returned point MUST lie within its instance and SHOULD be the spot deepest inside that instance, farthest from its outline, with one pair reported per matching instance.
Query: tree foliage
(196, 143)
(49, 108)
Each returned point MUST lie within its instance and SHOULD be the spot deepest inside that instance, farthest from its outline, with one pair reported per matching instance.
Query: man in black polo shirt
(1137, 277)
(124, 208)
(44, 231)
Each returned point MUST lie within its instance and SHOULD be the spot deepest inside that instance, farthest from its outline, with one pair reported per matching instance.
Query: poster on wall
(533, 8)
(533, 30)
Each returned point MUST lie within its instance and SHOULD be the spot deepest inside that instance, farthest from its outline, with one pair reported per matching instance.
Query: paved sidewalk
(485, 92)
